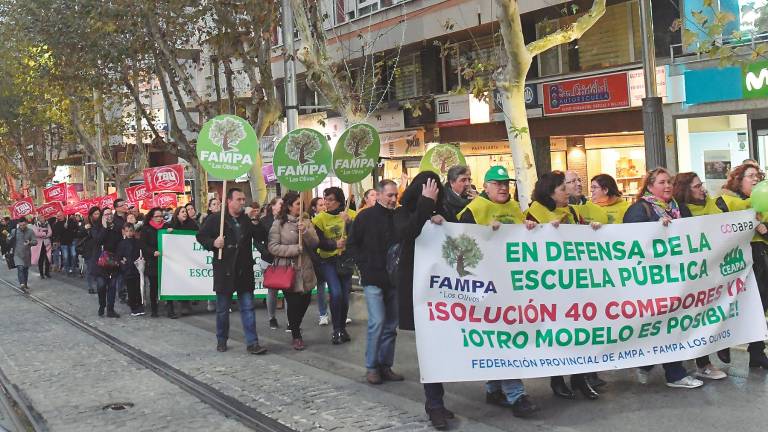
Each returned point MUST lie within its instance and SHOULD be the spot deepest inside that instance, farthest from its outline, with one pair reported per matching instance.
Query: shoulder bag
(280, 277)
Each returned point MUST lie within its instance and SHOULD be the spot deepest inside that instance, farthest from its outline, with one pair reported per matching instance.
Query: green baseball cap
(497, 173)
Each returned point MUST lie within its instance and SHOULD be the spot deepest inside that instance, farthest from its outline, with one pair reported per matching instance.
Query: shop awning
(402, 143)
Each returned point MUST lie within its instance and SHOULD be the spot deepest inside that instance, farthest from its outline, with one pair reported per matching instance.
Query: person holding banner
(550, 204)
(655, 203)
(495, 206)
(232, 268)
(21, 240)
(148, 243)
(290, 237)
(422, 201)
(606, 204)
(735, 196)
(334, 224)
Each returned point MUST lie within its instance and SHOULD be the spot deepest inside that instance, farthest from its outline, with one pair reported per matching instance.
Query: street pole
(289, 64)
(653, 116)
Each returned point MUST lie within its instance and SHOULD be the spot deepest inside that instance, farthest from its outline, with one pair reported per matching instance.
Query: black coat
(640, 211)
(128, 250)
(453, 204)
(371, 236)
(149, 245)
(234, 271)
(66, 231)
(100, 239)
(188, 224)
(409, 220)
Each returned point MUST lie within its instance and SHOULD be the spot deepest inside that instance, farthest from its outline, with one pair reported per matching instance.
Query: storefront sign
(531, 98)
(165, 178)
(636, 80)
(402, 144)
(387, 121)
(461, 110)
(484, 148)
(22, 207)
(756, 80)
(187, 274)
(302, 159)
(555, 301)
(357, 153)
(597, 93)
(268, 171)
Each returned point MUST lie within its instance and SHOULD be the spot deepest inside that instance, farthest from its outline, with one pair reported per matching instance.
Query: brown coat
(284, 243)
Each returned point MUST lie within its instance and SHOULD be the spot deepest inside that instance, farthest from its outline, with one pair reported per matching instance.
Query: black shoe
(336, 338)
(221, 347)
(256, 349)
(560, 389)
(448, 413)
(172, 313)
(523, 407)
(91, 291)
(758, 360)
(579, 382)
(437, 418)
(497, 398)
(724, 355)
(154, 314)
(48, 275)
(112, 314)
(345, 336)
(273, 324)
(595, 381)
(101, 310)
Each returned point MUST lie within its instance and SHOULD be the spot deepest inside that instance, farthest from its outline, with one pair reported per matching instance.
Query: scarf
(662, 208)
(156, 225)
(337, 211)
(607, 201)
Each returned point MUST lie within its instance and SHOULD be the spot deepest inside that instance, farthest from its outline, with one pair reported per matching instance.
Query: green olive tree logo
(226, 133)
(302, 147)
(462, 252)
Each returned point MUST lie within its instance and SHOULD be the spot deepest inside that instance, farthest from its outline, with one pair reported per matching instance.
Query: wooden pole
(301, 216)
(223, 214)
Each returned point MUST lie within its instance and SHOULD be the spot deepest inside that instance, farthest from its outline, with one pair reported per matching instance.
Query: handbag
(9, 259)
(107, 261)
(345, 264)
(279, 277)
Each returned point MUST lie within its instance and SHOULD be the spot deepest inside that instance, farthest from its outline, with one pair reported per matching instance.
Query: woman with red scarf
(149, 247)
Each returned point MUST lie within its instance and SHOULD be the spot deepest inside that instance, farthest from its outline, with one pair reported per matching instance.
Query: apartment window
(407, 81)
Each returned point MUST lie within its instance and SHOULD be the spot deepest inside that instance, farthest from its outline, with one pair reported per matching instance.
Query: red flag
(72, 196)
(137, 193)
(168, 178)
(106, 201)
(57, 192)
(81, 207)
(21, 208)
(49, 210)
(166, 200)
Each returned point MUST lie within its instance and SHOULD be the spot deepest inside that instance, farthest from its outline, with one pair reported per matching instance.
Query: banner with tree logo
(356, 153)
(440, 158)
(552, 301)
(302, 159)
(227, 147)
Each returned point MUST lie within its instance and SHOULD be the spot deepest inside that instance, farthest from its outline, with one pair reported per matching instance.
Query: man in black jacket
(65, 230)
(372, 234)
(233, 272)
(458, 191)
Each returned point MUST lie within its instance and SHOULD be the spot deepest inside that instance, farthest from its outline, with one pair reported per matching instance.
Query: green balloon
(759, 197)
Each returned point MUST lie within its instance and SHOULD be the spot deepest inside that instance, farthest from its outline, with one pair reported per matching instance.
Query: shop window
(762, 146)
(711, 146)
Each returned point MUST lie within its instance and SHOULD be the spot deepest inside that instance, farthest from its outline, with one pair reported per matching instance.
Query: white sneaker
(323, 320)
(710, 372)
(688, 382)
(642, 376)
(211, 306)
(349, 320)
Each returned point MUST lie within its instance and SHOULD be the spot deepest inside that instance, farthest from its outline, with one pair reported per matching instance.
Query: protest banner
(166, 200)
(72, 196)
(80, 207)
(105, 201)
(227, 148)
(187, 273)
(168, 178)
(22, 207)
(441, 157)
(556, 301)
(57, 192)
(49, 210)
(356, 153)
(137, 193)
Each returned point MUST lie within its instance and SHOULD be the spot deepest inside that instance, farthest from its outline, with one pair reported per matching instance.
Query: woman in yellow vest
(606, 204)
(495, 206)
(332, 227)
(693, 200)
(735, 197)
(550, 205)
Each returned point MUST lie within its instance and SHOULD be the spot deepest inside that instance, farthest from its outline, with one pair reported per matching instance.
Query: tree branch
(570, 33)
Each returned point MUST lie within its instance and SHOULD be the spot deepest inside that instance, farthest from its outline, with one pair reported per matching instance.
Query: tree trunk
(257, 183)
(121, 182)
(200, 191)
(516, 122)
(460, 266)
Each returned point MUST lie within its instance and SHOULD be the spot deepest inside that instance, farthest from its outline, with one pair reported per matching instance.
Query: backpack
(393, 263)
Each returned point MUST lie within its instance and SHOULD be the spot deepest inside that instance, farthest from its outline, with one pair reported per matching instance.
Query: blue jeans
(434, 393)
(339, 291)
(672, 371)
(117, 281)
(22, 272)
(69, 258)
(382, 327)
(322, 302)
(106, 290)
(56, 256)
(247, 316)
(512, 388)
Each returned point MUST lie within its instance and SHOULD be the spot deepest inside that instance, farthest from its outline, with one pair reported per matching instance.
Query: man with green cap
(494, 207)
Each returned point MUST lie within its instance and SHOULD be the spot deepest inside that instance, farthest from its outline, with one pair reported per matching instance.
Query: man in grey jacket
(21, 240)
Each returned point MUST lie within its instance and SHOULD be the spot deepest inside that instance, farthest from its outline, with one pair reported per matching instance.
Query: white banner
(556, 301)
(186, 269)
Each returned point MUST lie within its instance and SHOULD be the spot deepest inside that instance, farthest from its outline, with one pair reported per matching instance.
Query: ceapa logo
(733, 262)
(165, 178)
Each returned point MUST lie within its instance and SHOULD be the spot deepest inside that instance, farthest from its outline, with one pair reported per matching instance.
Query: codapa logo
(462, 253)
(733, 262)
(756, 80)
